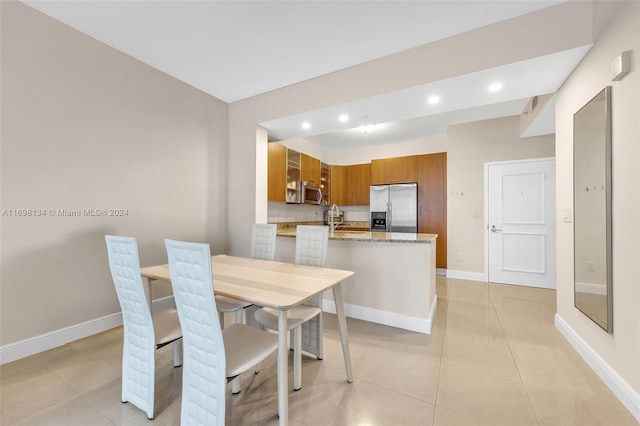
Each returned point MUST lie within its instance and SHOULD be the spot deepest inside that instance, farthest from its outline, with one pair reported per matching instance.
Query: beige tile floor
(494, 358)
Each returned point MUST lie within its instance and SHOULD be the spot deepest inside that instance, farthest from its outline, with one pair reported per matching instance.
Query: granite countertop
(348, 235)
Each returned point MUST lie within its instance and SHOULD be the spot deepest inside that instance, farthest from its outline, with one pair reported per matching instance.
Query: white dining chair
(304, 322)
(263, 245)
(263, 241)
(143, 332)
(212, 356)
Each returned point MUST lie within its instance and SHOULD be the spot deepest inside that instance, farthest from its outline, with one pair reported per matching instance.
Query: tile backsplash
(282, 212)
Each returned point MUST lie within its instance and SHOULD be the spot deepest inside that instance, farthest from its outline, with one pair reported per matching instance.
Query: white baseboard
(628, 396)
(386, 318)
(441, 271)
(53, 339)
(464, 275)
(590, 288)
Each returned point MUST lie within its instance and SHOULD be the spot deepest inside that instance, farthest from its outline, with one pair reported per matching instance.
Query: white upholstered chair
(263, 241)
(212, 356)
(263, 245)
(304, 322)
(143, 332)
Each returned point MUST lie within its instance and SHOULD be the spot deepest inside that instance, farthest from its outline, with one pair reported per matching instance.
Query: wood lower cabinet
(432, 201)
(277, 172)
(394, 170)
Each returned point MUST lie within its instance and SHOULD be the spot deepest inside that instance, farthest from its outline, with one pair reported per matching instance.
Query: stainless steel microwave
(311, 193)
(304, 192)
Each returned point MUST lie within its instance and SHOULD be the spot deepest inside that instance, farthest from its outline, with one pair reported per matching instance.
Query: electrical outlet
(460, 257)
(591, 266)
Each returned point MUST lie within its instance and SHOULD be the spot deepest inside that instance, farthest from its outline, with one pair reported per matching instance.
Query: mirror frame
(607, 136)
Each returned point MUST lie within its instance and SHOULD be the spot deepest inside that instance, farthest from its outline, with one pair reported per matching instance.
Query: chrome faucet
(332, 224)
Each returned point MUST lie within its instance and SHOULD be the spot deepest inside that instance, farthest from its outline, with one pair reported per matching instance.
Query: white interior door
(521, 223)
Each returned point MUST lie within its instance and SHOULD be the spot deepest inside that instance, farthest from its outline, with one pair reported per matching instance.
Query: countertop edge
(376, 237)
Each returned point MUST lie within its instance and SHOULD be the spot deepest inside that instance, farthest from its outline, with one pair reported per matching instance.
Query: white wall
(617, 30)
(365, 155)
(85, 126)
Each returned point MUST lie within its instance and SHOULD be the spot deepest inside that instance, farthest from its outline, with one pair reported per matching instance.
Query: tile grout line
(508, 341)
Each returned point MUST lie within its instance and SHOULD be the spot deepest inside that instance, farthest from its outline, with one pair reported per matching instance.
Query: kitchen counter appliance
(338, 219)
(394, 208)
(304, 192)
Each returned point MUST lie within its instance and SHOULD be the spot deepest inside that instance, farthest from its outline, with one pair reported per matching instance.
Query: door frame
(486, 203)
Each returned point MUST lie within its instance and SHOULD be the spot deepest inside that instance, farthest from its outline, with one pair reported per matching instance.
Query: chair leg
(259, 327)
(239, 316)
(177, 353)
(320, 337)
(297, 358)
(235, 385)
(221, 318)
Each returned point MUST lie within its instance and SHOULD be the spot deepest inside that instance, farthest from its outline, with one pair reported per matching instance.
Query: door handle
(494, 229)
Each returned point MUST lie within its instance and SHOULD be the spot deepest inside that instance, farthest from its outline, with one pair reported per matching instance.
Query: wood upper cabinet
(338, 185)
(359, 181)
(394, 170)
(276, 172)
(350, 185)
(432, 201)
(310, 168)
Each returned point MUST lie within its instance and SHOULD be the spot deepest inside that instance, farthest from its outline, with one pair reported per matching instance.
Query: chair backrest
(204, 368)
(311, 249)
(263, 241)
(124, 263)
(311, 245)
(138, 351)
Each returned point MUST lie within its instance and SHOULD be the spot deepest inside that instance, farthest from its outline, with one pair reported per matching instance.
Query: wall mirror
(592, 209)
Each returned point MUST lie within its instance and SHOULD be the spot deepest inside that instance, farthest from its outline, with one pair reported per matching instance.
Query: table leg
(342, 325)
(146, 282)
(283, 369)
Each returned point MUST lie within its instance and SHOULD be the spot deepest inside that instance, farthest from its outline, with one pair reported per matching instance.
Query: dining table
(277, 285)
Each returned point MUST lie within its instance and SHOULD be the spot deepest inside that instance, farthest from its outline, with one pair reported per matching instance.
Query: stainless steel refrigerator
(394, 208)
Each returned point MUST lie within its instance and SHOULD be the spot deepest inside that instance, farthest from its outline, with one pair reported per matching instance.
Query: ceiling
(237, 49)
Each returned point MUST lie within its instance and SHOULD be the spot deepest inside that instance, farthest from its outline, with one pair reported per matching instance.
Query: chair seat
(227, 304)
(166, 326)
(245, 347)
(268, 317)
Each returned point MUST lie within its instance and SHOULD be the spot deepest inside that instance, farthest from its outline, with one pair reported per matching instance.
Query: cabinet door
(394, 170)
(432, 201)
(325, 183)
(310, 168)
(277, 172)
(359, 180)
(338, 186)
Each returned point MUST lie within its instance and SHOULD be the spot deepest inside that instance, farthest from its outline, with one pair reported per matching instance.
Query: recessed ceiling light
(495, 87)
(306, 125)
(343, 118)
(433, 100)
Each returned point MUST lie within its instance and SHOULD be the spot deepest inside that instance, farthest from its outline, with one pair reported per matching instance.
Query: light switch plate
(566, 215)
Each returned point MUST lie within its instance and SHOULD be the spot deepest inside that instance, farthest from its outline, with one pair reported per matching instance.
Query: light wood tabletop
(276, 285)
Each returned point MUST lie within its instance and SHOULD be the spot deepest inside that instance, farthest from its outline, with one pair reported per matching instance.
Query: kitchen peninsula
(395, 274)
